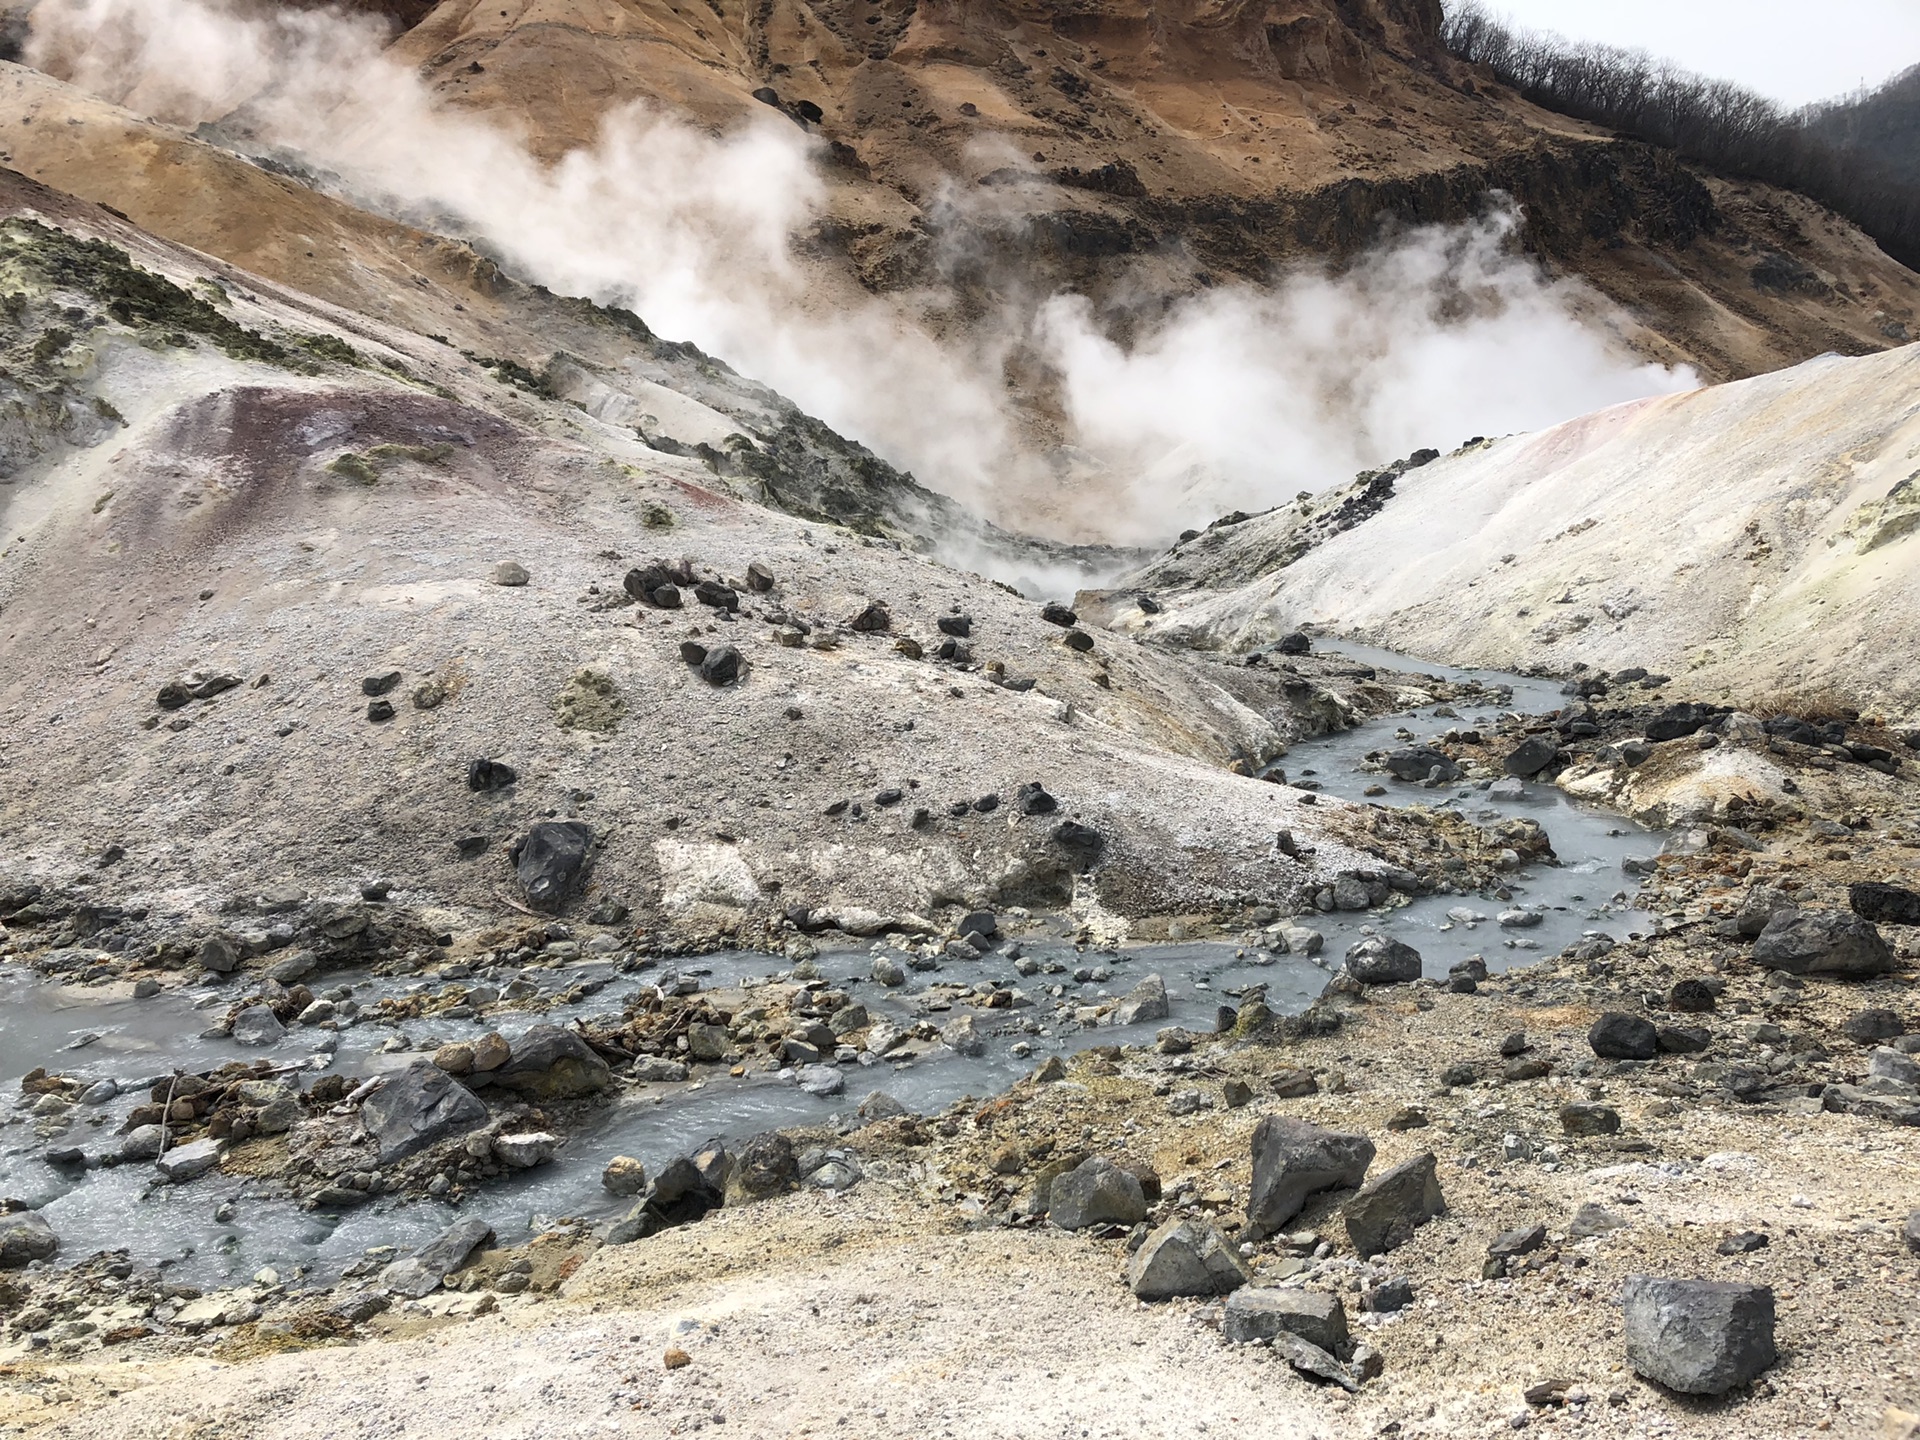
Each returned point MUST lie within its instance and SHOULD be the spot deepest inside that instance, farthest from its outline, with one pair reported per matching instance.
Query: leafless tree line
(1852, 156)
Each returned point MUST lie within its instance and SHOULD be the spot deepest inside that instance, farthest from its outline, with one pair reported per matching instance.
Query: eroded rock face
(1701, 1337)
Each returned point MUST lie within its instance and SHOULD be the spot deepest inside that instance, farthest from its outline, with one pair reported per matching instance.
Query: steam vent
(959, 718)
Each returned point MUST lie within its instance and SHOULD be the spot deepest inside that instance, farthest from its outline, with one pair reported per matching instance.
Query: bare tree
(1859, 156)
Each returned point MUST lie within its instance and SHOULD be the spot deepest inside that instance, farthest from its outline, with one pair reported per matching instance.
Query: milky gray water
(75, 1031)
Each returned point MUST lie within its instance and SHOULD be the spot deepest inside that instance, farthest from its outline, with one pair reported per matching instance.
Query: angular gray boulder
(1382, 960)
(1617, 1035)
(551, 1063)
(1386, 1212)
(1096, 1192)
(1146, 1001)
(1185, 1257)
(1261, 1314)
(24, 1238)
(1700, 1337)
(420, 1106)
(1818, 943)
(1292, 1160)
(421, 1272)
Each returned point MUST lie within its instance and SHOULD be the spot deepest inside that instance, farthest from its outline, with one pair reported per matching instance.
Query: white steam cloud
(1233, 400)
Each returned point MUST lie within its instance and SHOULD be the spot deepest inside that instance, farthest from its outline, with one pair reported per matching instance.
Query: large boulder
(1096, 1192)
(24, 1238)
(680, 1194)
(1420, 761)
(1292, 1160)
(1531, 756)
(1619, 1036)
(1701, 1337)
(1261, 1314)
(1820, 943)
(551, 1063)
(1185, 1257)
(1382, 960)
(549, 860)
(1146, 1001)
(1386, 1212)
(421, 1272)
(420, 1106)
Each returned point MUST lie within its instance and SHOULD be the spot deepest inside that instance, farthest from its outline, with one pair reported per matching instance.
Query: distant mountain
(1882, 125)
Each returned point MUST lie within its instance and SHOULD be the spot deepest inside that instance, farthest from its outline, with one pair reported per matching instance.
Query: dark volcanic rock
(1531, 756)
(420, 1106)
(1701, 1337)
(550, 859)
(1096, 1192)
(1619, 1036)
(1418, 762)
(1292, 1160)
(1388, 1209)
(484, 774)
(1884, 904)
(721, 665)
(1381, 960)
(1818, 943)
(1261, 1314)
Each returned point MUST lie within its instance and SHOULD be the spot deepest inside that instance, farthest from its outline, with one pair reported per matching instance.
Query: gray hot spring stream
(96, 1035)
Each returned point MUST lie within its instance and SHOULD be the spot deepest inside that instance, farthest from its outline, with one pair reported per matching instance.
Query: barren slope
(1759, 539)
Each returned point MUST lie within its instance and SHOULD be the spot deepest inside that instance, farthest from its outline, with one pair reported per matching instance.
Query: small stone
(190, 1161)
(1389, 1296)
(1743, 1242)
(1591, 1219)
(675, 1358)
(455, 1059)
(510, 573)
(526, 1150)
(1691, 997)
(1523, 1241)
(374, 685)
(1867, 1027)
(821, 1080)
(379, 711)
(1585, 1118)
(25, 1238)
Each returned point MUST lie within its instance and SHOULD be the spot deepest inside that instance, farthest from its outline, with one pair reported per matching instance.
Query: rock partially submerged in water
(1382, 960)
(24, 1238)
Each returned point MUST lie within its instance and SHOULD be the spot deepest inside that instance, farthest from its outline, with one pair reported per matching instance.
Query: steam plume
(1236, 399)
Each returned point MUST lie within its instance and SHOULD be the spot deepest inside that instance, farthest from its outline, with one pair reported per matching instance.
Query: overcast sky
(1788, 49)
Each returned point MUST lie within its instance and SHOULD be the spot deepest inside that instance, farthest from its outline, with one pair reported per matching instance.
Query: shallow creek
(97, 1035)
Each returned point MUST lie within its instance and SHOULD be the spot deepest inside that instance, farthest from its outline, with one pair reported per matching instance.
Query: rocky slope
(1161, 148)
(1757, 540)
